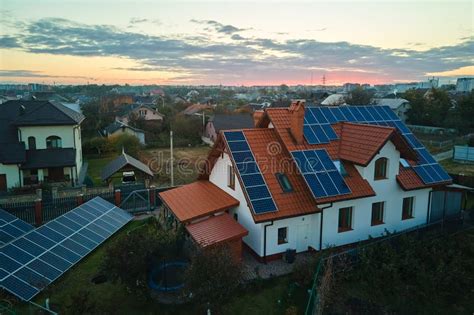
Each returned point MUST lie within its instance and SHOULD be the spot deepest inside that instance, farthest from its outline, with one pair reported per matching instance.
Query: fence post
(80, 199)
(152, 194)
(38, 212)
(117, 197)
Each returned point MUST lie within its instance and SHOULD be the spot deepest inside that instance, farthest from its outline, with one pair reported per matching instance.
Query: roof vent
(22, 110)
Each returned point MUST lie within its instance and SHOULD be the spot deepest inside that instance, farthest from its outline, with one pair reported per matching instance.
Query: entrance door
(302, 238)
(3, 182)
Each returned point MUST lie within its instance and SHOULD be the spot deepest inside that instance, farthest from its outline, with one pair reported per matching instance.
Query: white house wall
(292, 225)
(388, 191)
(218, 177)
(12, 174)
(40, 133)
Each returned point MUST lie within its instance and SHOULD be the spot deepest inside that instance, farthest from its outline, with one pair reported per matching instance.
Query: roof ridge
(34, 110)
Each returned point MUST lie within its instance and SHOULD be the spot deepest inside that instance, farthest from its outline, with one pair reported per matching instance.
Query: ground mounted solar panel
(250, 174)
(11, 227)
(34, 260)
(317, 130)
(320, 173)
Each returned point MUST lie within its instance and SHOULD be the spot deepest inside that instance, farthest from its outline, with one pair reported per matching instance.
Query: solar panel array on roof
(248, 170)
(317, 130)
(320, 173)
(34, 260)
(11, 227)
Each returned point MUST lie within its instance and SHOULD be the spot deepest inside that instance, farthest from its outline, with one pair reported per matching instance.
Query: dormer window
(284, 182)
(53, 142)
(340, 168)
(404, 163)
(381, 168)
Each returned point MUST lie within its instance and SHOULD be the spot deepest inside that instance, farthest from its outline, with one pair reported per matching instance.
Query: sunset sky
(234, 43)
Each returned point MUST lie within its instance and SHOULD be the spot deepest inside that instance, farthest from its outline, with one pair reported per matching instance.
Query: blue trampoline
(168, 277)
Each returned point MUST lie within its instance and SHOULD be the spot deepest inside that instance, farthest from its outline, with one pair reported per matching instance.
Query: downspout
(75, 169)
(265, 241)
(429, 207)
(321, 226)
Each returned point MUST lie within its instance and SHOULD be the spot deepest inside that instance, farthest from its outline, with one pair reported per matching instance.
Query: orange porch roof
(216, 229)
(197, 200)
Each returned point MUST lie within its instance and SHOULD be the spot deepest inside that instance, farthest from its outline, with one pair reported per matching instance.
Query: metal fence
(463, 153)
(24, 210)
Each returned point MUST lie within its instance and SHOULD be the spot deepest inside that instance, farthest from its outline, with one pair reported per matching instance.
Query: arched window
(53, 142)
(381, 168)
(31, 143)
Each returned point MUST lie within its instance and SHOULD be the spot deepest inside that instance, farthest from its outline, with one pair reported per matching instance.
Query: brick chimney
(257, 115)
(297, 120)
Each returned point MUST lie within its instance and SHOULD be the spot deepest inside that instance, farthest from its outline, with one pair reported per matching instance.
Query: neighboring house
(40, 141)
(141, 111)
(334, 100)
(196, 109)
(399, 105)
(117, 128)
(225, 122)
(465, 84)
(74, 106)
(4, 98)
(308, 179)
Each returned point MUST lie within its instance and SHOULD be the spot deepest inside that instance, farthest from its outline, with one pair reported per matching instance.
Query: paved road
(443, 155)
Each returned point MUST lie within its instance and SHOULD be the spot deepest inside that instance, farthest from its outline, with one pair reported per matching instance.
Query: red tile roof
(408, 179)
(216, 229)
(360, 143)
(197, 200)
(272, 158)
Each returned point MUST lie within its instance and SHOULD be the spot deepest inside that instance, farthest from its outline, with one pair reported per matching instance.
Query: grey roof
(232, 121)
(122, 161)
(57, 157)
(116, 125)
(124, 110)
(46, 114)
(393, 103)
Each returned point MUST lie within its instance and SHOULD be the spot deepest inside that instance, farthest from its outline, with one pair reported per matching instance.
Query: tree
(129, 258)
(359, 96)
(213, 276)
(127, 142)
(187, 130)
(465, 110)
(417, 113)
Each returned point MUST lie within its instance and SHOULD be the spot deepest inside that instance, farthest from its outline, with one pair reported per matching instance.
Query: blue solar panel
(320, 173)
(264, 205)
(253, 182)
(239, 146)
(318, 114)
(320, 134)
(348, 114)
(39, 257)
(234, 135)
(318, 130)
(258, 192)
(11, 227)
(309, 135)
(328, 114)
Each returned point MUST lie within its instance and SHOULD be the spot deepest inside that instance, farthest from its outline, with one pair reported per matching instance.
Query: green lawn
(185, 165)
(266, 297)
(454, 167)
(95, 168)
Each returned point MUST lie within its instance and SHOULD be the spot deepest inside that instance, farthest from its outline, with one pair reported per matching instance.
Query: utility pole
(171, 159)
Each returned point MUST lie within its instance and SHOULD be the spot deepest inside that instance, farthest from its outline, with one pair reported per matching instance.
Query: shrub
(213, 276)
(129, 258)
